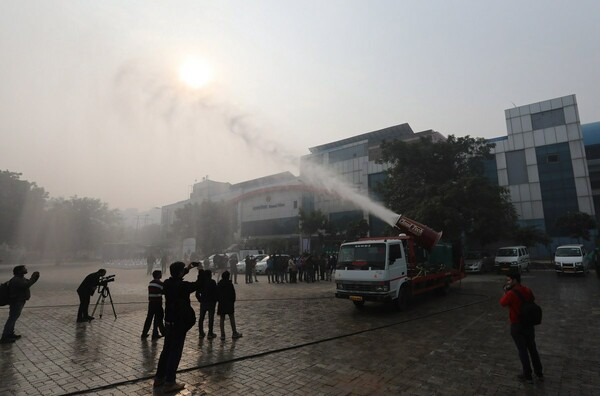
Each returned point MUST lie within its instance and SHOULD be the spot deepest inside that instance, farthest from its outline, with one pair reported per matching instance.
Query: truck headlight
(514, 264)
(340, 286)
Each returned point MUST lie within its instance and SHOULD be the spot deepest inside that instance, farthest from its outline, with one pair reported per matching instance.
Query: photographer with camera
(523, 334)
(179, 319)
(18, 294)
(85, 292)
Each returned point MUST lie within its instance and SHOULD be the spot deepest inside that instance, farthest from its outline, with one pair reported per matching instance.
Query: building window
(552, 159)
(516, 167)
(347, 153)
(295, 204)
(548, 119)
(557, 184)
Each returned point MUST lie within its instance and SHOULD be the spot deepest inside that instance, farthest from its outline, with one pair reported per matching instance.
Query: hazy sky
(91, 102)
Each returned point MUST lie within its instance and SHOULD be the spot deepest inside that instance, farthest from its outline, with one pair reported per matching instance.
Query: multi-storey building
(355, 161)
(546, 161)
(542, 161)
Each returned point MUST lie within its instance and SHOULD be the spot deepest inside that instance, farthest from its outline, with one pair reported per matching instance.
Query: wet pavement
(299, 340)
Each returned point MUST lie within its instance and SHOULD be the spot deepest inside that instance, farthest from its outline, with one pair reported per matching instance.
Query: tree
(357, 229)
(78, 226)
(442, 184)
(312, 222)
(576, 224)
(530, 236)
(21, 209)
(211, 223)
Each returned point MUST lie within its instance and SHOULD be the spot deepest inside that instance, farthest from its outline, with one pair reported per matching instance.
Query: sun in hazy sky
(195, 73)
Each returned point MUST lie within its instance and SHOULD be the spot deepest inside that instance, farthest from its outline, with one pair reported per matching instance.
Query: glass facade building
(542, 161)
(355, 161)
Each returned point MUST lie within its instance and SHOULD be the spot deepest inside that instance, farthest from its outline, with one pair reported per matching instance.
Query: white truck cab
(391, 270)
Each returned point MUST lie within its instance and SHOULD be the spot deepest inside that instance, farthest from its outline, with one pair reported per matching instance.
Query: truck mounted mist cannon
(395, 269)
(423, 235)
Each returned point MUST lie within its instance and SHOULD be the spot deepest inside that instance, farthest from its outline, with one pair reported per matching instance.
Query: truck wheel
(359, 304)
(401, 303)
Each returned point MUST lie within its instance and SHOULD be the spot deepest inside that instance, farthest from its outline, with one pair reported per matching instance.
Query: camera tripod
(103, 292)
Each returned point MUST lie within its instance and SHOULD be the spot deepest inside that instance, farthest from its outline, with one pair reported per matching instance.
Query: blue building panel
(557, 183)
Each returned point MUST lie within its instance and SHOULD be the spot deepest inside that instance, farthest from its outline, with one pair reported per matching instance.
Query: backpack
(4, 294)
(531, 313)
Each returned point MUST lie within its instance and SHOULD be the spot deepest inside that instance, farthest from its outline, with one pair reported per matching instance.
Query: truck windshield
(568, 252)
(362, 257)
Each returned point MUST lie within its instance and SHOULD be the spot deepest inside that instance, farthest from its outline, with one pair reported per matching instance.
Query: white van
(570, 259)
(512, 258)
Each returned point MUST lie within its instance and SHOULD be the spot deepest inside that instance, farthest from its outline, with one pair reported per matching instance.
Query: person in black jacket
(179, 319)
(85, 291)
(226, 296)
(208, 303)
(18, 294)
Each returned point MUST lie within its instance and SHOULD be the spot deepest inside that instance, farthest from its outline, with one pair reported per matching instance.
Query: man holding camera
(523, 335)
(19, 293)
(179, 319)
(85, 292)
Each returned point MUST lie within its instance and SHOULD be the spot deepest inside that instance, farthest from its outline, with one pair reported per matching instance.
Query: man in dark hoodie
(85, 291)
(179, 318)
(208, 303)
(226, 295)
(19, 293)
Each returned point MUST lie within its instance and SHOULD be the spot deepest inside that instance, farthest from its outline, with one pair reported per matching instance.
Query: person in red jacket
(523, 336)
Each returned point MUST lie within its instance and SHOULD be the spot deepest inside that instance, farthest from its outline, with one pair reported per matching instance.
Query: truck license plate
(356, 298)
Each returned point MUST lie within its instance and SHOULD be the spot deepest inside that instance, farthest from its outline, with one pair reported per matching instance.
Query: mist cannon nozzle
(423, 235)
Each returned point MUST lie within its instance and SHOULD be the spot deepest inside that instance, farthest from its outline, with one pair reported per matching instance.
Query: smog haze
(132, 102)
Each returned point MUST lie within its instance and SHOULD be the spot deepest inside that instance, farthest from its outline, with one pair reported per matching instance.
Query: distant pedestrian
(253, 265)
(155, 307)
(300, 264)
(248, 269)
(208, 303)
(150, 260)
(85, 291)
(331, 264)
(523, 335)
(164, 261)
(18, 294)
(270, 269)
(179, 319)
(322, 266)
(233, 261)
(293, 270)
(226, 296)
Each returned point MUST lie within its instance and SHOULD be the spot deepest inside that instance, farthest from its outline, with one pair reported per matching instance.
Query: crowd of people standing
(305, 268)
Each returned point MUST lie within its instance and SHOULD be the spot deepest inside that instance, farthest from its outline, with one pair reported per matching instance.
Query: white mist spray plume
(159, 98)
(314, 174)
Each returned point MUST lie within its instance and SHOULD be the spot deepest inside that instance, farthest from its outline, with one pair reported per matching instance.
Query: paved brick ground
(298, 340)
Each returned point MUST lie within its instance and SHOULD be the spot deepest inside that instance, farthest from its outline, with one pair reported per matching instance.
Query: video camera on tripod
(103, 292)
(105, 280)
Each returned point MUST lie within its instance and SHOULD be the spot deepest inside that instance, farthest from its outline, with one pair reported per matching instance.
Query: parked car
(512, 258)
(474, 262)
(570, 259)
